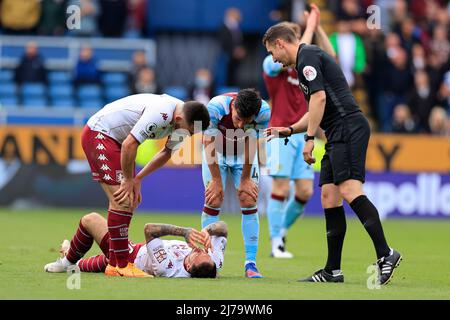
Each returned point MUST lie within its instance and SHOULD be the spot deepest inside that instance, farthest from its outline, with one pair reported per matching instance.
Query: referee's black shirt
(318, 71)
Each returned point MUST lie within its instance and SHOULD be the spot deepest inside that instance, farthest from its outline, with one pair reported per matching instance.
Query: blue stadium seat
(177, 92)
(6, 75)
(222, 90)
(89, 91)
(66, 101)
(116, 92)
(59, 77)
(35, 101)
(92, 103)
(8, 89)
(114, 78)
(33, 90)
(60, 90)
(10, 101)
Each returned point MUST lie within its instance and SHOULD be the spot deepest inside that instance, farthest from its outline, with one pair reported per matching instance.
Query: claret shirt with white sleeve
(145, 116)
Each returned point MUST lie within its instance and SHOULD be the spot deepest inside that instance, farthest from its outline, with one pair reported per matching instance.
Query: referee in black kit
(333, 108)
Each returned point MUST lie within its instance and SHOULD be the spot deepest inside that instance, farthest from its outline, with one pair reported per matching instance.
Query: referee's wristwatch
(307, 138)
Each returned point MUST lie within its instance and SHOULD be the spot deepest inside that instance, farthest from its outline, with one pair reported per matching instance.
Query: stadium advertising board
(39, 162)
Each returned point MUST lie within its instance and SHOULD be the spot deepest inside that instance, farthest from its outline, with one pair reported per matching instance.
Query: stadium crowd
(403, 64)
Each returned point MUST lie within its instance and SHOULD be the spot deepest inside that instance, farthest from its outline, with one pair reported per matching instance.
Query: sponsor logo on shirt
(310, 73)
(151, 127)
(164, 116)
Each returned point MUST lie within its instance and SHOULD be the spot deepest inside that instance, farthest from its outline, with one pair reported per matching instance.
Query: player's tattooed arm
(157, 230)
(218, 229)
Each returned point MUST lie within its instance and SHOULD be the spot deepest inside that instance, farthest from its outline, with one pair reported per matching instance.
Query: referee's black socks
(336, 227)
(368, 215)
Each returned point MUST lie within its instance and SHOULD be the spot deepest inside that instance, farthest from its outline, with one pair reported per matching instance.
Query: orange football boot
(131, 271)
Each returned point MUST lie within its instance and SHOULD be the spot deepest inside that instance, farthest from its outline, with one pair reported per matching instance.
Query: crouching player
(162, 258)
(230, 146)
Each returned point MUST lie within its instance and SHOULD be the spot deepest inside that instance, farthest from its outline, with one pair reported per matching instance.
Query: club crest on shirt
(310, 73)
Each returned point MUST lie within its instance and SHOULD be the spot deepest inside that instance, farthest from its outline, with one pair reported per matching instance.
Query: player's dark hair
(196, 111)
(248, 103)
(204, 270)
(281, 30)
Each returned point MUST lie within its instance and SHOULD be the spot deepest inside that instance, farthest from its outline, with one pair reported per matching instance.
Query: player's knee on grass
(246, 201)
(90, 219)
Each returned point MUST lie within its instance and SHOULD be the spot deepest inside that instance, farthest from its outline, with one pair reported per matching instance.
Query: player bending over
(110, 140)
(155, 257)
(230, 146)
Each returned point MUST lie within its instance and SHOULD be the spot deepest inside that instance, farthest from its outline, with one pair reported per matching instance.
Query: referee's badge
(310, 73)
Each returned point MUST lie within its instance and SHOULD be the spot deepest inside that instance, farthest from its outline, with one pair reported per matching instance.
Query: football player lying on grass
(199, 256)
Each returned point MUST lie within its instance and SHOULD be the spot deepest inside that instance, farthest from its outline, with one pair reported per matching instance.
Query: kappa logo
(102, 157)
(100, 136)
(100, 146)
(105, 167)
(310, 73)
(164, 116)
(170, 265)
(107, 177)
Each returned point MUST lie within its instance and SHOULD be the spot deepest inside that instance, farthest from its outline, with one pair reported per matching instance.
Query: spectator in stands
(31, 67)
(86, 71)
(397, 79)
(399, 12)
(90, 10)
(402, 121)
(232, 46)
(20, 17)
(434, 71)
(421, 99)
(53, 18)
(139, 62)
(418, 57)
(350, 50)
(444, 91)
(137, 10)
(440, 45)
(113, 17)
(145, 82)
(203, 88)
(438, 122)
(350, 10)
(373, 75)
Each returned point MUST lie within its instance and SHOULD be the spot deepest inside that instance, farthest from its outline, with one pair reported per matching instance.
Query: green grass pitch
(30, 239)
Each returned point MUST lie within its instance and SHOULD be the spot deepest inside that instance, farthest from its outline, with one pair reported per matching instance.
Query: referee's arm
(316, 110)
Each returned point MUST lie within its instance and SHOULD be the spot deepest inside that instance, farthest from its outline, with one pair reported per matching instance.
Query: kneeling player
(163, 258)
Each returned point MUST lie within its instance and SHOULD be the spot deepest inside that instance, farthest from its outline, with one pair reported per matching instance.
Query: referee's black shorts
(345, 150)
